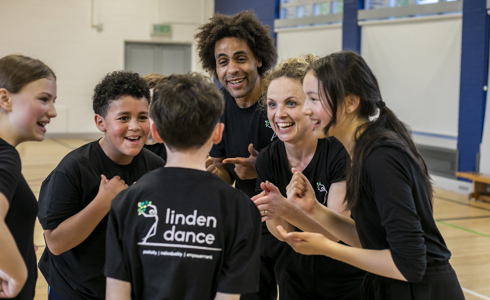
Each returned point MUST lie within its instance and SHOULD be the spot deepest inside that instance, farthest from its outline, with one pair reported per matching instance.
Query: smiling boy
(75, 198)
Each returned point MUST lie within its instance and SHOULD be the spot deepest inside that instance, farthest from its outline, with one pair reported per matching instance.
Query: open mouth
(235, 82)
(284, 126)
(133, 138)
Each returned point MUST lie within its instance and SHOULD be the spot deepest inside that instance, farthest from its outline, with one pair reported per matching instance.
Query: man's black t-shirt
(243, 126)
(310, 276)
(71, 186)
(183, 234)
(395, 213)
(21, 214)
(158, 149)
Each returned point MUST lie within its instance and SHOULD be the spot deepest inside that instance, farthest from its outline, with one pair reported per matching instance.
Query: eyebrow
(239, 52)
(129, 112)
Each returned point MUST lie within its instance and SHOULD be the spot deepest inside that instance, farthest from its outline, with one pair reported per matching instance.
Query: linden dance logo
(268, 125)
(173, 237)
(321, 188)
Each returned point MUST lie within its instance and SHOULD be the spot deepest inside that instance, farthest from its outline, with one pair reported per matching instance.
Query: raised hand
(270, 202)
(245, 166)
(300, 192)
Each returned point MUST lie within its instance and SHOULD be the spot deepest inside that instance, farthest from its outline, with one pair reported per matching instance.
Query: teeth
(133, 138)
(236, 81)
(284, 125)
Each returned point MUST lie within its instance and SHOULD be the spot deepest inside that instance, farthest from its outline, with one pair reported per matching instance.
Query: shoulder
(388, 161)
(80, 156)
(9, 155)
(271, 152)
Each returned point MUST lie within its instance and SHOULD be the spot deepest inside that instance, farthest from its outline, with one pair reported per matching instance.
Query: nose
(134, 125)
(52, 111)
(282, 111)
(233, 67)
(306, 109)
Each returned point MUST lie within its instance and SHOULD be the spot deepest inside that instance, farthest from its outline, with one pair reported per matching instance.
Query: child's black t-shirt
(183, 234)
(158, 149)
(71, 186)
(21, 214)
(243, 126)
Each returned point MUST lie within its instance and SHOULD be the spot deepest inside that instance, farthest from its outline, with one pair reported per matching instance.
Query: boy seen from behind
(181, 232)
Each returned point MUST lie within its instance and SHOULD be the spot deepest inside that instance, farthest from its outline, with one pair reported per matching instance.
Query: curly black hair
(115, 85)
(243, 25)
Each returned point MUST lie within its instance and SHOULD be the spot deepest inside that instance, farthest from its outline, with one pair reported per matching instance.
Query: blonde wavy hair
(294, 68)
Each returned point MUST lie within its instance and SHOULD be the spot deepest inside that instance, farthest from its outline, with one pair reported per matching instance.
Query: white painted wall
(59, 33)
(319, 40)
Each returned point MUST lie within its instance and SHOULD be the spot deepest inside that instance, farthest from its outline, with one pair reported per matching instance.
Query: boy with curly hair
(75, 198)
(237, 50)
(181, 232)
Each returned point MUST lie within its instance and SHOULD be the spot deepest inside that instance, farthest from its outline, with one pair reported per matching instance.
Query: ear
(217, 133)
(154, 132)
(100, 123)
(259, 62)
(352, 103)
(5, 100)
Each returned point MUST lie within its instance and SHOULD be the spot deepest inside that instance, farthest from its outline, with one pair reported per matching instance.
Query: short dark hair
(243, 25)
(17, 71)
(186, 109)
(115, 85)
(153, 79)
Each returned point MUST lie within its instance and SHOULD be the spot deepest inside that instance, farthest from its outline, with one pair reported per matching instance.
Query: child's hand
(110, 188)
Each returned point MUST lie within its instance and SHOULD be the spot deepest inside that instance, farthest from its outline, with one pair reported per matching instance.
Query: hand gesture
(109, 189)
(210, 166)
(270, 202)
(9, 287)
(306, 243)
(245, 166)
(300, 192)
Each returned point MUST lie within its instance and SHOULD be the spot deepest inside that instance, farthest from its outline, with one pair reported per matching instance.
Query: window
(291, 9)
(374, 4)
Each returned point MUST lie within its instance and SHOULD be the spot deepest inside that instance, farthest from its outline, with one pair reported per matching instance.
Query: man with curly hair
(237, 50)
(75, 198)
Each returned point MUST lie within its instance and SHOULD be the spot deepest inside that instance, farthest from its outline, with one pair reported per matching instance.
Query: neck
(346, 132)
(116, 157)
(190, 158)
(7, 133)
(252, 97)
(301, 153)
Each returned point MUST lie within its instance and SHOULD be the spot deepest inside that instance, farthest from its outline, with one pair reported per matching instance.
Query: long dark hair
(346, 73)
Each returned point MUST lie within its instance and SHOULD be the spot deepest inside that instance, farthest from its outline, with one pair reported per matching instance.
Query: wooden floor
(464, 224)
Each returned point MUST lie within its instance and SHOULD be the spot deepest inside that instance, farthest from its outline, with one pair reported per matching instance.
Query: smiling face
(125, 128)
(237, 68)
(314, 107)
(32, 108)
(285, 100)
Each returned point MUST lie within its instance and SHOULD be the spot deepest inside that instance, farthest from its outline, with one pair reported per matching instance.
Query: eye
(123, 118)
(143, 118)
(44, 99)
(242, 59)
(271, 105)
(222, 62)
(291, 104)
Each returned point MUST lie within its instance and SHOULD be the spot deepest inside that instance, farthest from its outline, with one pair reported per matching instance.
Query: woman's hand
(270, 202)
(306, 243)
(300, 192)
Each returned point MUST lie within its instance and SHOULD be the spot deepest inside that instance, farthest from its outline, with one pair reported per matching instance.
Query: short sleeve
(115, 265)
(10, 171)
(241, 268)
(337, 156)
(59, 199)
(390, 179)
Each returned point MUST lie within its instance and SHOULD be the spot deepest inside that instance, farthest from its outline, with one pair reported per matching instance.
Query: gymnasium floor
(464, 224)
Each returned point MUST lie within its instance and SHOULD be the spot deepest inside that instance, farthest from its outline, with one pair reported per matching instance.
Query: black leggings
(439, 282)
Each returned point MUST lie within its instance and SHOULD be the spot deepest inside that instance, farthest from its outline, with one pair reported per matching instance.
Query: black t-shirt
(315, 277)
(243, 126)
(396, 213)
(158, 149)
(21, 214)
(71, 186)
(183, 234)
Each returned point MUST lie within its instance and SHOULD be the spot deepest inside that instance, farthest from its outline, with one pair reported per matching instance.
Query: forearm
(343, 228)
(11, 262)
(271, 225)
(378, 262)
(117, 289)
(223, 296)
(76, 229)
(301, 220)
